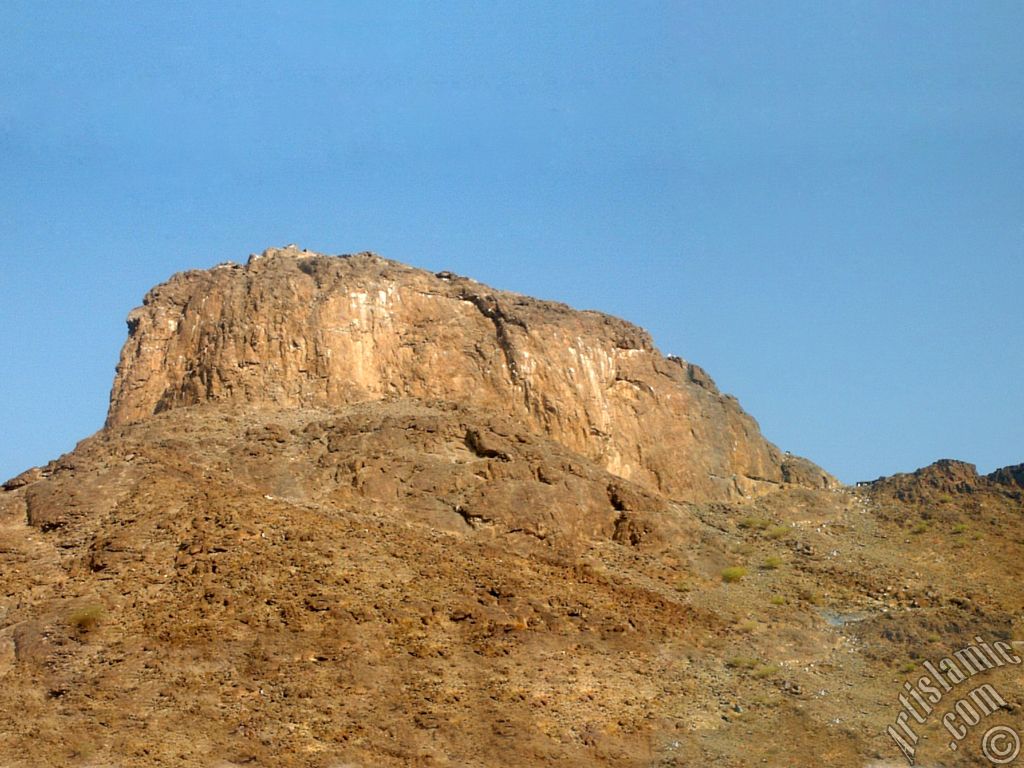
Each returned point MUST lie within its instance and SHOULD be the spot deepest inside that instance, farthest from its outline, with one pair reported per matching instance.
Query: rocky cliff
(348, 513)
(294, 328)
(947, 477)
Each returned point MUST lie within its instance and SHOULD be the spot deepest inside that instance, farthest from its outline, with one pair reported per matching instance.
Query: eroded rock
(300, 329)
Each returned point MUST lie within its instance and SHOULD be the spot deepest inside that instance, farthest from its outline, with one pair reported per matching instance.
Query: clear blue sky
(821, 203)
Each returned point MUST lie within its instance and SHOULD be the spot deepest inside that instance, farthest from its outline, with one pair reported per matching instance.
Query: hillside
(349, 513)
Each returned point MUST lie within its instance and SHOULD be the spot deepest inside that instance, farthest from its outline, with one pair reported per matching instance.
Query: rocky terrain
(349, 513)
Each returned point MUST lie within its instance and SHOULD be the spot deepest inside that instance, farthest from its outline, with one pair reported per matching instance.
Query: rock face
(948, 477)
(1011, 476)
(294, 328)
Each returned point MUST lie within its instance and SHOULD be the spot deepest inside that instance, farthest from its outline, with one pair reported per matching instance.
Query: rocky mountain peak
(949, 477)
(293, 328)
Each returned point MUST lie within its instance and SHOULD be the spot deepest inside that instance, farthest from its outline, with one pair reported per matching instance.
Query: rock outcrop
(294, 328)
(1012, 476)
(949, 477)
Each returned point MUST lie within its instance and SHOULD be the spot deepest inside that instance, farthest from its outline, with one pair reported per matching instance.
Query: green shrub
(765, 670)
(733, 574)
(86, 618)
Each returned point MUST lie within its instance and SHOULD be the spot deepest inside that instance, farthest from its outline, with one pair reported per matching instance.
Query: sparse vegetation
(777, 531)
(772, 563)
(814, 598)
(754, 523)
(86, 618)
(750, 664)
(81, 747)
(777, 600)
(733, 574)
(920, 528)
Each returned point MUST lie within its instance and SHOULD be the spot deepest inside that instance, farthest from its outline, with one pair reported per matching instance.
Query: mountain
(349, 513)
(293, 329)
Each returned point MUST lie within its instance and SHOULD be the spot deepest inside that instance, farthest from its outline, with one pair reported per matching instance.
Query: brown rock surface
(294, 328)
(408, 583)
(1012, 476)
(948, 477)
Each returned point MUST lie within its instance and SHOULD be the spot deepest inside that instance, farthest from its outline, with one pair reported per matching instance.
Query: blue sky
(821, 203)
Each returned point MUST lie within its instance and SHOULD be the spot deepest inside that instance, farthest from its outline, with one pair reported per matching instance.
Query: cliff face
(947, 478)
(294, 328)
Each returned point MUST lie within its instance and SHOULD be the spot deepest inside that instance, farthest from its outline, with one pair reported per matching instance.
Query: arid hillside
(349, 513)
